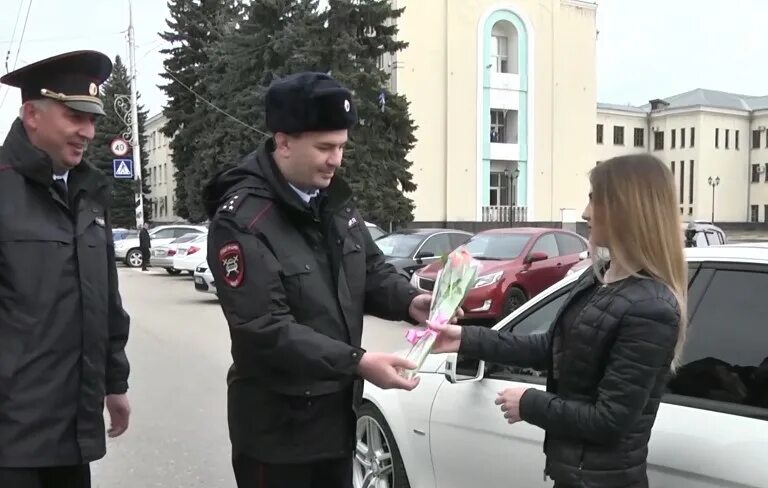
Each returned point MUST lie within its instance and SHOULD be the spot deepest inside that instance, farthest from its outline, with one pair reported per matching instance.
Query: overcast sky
(646, 48)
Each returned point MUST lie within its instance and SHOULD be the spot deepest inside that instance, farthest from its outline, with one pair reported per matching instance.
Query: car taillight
(192, 250)
(171, 252)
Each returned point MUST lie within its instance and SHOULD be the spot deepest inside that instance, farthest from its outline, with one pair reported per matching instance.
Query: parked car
(516, 264)
(711, 430)
(162, 256)
(705, 235)
(189, 254)
(374, 230)
(127, 250)
(410, 249)
(204, 279)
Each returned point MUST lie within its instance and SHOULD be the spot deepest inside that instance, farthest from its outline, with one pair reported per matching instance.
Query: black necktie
(61, 188)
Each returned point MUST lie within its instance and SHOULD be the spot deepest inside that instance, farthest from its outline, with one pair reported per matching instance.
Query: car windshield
(497, 246)
(399, 245)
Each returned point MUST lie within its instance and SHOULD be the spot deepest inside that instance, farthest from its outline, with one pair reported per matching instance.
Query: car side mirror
(424, 254)
(536, 256)
(462, 369)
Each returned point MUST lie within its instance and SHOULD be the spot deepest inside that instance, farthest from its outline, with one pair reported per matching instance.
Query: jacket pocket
(296, 271)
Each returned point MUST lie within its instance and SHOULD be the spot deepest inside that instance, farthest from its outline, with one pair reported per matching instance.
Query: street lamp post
(713, 182)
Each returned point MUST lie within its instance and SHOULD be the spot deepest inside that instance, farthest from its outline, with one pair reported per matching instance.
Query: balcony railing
(505, 213)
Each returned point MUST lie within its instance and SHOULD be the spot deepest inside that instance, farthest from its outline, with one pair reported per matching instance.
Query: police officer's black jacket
(62, 326)
(294, 285)
(613, 358)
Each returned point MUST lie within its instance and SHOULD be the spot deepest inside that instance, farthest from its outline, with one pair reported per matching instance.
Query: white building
(714, 142)
(503, 94)
(160, 177)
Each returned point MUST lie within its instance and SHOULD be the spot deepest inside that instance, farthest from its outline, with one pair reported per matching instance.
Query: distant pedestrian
(145, 244)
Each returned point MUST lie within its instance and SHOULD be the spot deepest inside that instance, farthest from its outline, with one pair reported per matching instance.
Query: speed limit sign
(119, 146)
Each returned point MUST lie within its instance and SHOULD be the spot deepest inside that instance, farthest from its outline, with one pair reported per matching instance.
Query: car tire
(371, 423)
(134, 258)
(172, 271)
(513, 300)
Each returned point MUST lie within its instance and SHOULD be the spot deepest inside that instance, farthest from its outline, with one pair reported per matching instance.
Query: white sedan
(204, 279)
(711, 430)
(190, 254)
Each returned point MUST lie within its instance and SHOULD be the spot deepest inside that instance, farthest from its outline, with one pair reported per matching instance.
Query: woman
(610, 352)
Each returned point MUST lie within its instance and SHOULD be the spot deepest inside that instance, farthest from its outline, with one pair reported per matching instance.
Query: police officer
(295, 270)
(63, 329)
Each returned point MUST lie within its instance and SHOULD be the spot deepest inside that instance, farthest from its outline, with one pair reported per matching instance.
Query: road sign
(119, 146)
(122, 168)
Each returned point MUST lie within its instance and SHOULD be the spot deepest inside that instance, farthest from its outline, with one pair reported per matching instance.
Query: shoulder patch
(232, 264)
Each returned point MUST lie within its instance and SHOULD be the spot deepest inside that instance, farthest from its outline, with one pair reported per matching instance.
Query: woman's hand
(509, 400)
(448, 338)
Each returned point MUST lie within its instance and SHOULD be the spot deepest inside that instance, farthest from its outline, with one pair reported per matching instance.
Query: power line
(13, 36)
(215, 107)
(18, 50)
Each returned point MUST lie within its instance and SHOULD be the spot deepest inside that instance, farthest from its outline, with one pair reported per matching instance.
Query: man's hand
(383, 370)
(119, 412)
(419, 309)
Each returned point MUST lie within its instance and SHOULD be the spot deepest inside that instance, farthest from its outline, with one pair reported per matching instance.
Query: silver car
(162, 256)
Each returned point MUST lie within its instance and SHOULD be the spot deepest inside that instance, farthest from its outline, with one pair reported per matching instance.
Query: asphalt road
(179, 353)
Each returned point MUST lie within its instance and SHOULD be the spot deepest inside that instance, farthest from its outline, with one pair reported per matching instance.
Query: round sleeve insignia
(232, 264)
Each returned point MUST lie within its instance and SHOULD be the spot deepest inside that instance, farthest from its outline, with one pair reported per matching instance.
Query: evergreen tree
(194, 26)
(241, 67)
(358, 34)
(99, 153)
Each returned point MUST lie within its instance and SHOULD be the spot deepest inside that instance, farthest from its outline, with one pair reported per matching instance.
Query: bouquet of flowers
(457, 277)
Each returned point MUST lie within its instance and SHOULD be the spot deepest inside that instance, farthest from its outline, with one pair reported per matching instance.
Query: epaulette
(233, 201)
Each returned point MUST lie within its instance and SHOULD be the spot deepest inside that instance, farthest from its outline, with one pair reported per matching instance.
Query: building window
(674, 139)
(639, 137)
(504, 126)
(755, 211)
(682, 181)
(736, 140)
(500, 189)
(682, 138)
(755, 139)
(717, 138)
(599, 133)
(672, 166)
(766, 173)
(693, 136)
(690, 186)
(501, 53)
(618, 135)
(727, 137)
(504, 43)
(765, 213)
(658, 141)
(755, 173)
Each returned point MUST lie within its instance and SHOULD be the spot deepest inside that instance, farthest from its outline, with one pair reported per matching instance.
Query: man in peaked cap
(295, 271)
(63, 329)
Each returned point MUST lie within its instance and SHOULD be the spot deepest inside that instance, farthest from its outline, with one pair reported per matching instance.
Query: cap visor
(87, 107)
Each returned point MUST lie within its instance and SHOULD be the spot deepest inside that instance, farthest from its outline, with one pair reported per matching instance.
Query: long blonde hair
(635, 199)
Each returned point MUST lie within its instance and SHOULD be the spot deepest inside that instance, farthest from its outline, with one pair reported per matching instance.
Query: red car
(516, 264)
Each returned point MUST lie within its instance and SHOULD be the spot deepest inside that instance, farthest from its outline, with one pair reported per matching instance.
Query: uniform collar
(306, 197)
(64, 177)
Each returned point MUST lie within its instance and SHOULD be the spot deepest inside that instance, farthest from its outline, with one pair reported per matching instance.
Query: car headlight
(488, 279)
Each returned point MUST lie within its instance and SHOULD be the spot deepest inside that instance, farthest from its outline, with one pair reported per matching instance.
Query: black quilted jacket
(599, 412)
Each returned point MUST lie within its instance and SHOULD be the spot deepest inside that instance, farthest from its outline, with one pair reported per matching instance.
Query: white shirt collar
(64, 177)
(306, 197)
